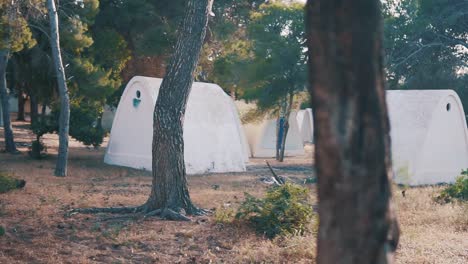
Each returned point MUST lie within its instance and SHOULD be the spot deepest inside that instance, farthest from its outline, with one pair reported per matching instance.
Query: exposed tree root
(164, 213)
(200, 212)
(110, 210)
(168, 214)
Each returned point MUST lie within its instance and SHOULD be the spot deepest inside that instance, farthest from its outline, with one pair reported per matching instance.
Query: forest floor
(38, 229)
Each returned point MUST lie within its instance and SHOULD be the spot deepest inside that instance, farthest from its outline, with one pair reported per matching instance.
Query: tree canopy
(426, 44)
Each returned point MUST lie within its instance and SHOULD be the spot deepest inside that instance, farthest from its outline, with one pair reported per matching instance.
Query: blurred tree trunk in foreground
(357, 224)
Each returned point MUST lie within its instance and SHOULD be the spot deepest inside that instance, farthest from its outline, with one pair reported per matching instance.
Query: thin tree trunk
(21, 102)
(286, 126)
(8, 131)
(33, 105)
(278, 140)
(43, 109)
(64, 119)
(283, 140)
(169, 190)
(357, 224)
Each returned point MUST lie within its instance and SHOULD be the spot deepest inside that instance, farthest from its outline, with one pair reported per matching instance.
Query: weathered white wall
(429, 142)
(306, 125)
(212, 138)
(108, 117)
(262, 138)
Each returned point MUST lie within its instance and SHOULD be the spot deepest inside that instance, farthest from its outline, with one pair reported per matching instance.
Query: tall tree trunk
(21, 102)
(169, 190)
(357, 224)
(33, 105)
(8, 131)
(64, 119)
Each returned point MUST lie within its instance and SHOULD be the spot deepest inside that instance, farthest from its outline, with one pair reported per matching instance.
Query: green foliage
(74, 35)
(2, 231)
(110, 50)
(15, 33)
(270, 64)
(7, 183)
(84, 126)
(419, 33)
(44, 125)
(230, 68)
(279, 66)
(224, 215)
(455, 192)
(91, 81)
(147, 26)
(284, 210)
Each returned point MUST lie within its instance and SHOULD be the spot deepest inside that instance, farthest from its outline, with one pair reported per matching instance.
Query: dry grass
(38, 232)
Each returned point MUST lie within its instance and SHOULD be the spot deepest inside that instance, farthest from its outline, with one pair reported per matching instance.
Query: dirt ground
(38, 229)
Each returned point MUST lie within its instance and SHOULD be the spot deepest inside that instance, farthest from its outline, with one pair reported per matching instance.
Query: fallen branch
(277, 179)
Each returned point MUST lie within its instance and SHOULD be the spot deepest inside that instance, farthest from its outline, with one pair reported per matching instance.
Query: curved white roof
(261, 134)
(306, 124)
(429, 135)
(213, 140)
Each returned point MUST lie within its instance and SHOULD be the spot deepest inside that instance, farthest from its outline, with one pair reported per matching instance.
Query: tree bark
(64, 119)
(34, 108)
(8, 131)
(286, 125)
(43, 109)
(169, 190)
(283, 139)
(21, 102)
(353, 164)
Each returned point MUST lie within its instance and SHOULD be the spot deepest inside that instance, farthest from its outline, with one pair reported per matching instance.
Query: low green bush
(455, 192)
(84, 125)
(2, 231)
(8, 183)
(284, 210)
(224, 215)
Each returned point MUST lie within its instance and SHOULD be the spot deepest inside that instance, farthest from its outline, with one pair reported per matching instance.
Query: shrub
(224, 215)
(84, 125)
(8, 183)
(42, 125)
(457, 191)
(2, 231)
(284, 210)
